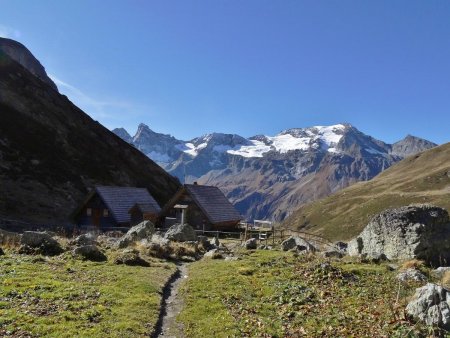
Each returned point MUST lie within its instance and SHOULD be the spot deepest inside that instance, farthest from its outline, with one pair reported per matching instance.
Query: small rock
(297, 243)
(85, 239)
(203, 241)
(439, 272)
(231, 259)
(251, 244)
(130, 257)
(90, 252)
(411, 275)
(215, 242)
(188, 259)
(214, 254)
(341, 246)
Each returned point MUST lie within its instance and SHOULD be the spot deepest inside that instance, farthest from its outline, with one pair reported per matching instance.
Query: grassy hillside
(422, 178)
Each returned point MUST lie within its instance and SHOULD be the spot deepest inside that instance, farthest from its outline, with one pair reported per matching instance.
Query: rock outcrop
(181, 233)
(416, 231)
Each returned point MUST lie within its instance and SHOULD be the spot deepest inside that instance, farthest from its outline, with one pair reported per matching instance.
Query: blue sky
(246, 67)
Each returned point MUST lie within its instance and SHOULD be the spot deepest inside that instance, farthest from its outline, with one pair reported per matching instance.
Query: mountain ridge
(269, 176)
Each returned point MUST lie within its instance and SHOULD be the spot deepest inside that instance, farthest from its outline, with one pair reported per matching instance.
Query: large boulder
(430, 304)
(143, 230)
(298, 243)
(415, 231)
(90, 253)
(35, 242)
(181, 233)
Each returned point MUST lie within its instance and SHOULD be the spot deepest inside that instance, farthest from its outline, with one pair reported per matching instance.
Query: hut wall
(97, 214)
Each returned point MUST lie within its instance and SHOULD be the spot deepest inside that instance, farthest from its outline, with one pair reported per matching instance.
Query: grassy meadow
(281, 294)
(63, 297)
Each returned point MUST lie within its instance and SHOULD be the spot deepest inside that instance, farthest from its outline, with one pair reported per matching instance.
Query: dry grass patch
(446, 280)
(413, 264)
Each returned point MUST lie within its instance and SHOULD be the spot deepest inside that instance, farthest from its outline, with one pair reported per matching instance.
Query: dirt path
(172, 304)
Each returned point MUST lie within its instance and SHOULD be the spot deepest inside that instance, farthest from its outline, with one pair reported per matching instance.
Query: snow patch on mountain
(254, 149)
(374, 151)
(318, 137)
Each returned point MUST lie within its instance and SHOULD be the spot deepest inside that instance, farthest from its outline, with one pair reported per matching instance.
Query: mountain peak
(19, 53)
(123, 134)
(411, 145)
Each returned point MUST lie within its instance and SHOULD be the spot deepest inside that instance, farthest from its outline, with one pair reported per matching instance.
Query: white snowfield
(326, 137)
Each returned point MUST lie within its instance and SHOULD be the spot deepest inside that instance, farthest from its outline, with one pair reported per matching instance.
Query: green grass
(63, 297)
(275, 294)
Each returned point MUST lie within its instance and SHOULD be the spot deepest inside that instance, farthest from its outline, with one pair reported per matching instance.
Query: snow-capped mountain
(270, 176)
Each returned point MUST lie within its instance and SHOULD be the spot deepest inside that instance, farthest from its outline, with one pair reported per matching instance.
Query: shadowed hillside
(51, 152)
(421, 178)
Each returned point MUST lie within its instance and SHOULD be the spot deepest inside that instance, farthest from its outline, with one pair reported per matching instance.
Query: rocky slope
(51, 152)
(271, 176)
(422, 178)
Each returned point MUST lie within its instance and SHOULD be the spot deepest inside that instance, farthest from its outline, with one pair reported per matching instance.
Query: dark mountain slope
(51, 152)
(421, 178)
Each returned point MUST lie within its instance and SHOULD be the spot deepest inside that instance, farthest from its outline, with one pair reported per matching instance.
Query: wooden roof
(146, 208)
(119, 200)
(213, 203)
